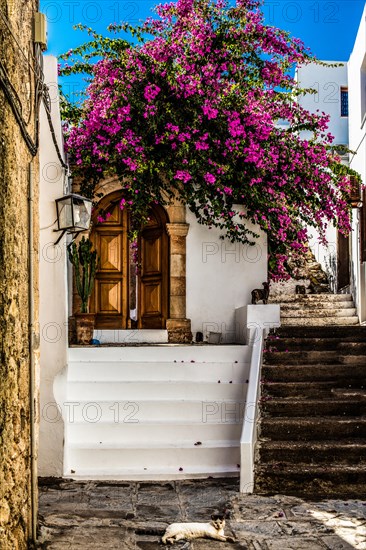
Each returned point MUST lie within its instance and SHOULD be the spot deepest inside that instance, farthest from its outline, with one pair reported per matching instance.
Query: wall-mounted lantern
(73, 214)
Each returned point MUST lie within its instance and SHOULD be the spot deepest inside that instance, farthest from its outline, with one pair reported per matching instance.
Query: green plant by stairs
(85, 261)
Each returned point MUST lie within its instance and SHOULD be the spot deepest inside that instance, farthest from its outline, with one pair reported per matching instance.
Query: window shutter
(344, 101)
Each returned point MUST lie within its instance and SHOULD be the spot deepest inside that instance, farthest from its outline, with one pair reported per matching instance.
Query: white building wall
(53, 288)
(220, 278)
(327, 81)
(357, 131)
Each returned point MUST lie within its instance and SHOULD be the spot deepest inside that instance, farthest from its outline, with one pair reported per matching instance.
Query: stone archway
(173, 218)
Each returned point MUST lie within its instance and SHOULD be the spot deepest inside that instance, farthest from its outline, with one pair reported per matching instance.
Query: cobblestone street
(99, 515)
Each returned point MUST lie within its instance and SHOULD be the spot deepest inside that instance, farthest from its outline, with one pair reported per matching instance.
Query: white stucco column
(53, 287)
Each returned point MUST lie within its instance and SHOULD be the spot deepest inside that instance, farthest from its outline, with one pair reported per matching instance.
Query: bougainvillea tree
(200, 105)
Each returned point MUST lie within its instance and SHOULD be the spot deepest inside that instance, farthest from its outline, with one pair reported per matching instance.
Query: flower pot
(84, 327)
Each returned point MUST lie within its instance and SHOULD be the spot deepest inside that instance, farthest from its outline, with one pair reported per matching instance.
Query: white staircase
(154, 412)
(317, 309)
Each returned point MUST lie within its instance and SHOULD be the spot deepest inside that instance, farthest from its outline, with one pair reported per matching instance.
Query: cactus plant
(84, 260)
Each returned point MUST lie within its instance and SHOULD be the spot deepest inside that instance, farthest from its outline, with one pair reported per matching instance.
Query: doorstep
(131, 336)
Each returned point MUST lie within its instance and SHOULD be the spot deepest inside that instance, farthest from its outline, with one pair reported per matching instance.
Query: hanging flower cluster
(203, 108)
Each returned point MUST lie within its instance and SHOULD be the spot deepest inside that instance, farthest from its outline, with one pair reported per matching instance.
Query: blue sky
(328, 27)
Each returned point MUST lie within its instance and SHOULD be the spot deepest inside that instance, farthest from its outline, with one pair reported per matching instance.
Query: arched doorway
(127, 295)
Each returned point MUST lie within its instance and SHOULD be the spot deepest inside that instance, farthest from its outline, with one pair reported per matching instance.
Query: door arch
(127, 295)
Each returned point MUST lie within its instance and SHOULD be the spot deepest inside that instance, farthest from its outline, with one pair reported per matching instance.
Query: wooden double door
(130, 294)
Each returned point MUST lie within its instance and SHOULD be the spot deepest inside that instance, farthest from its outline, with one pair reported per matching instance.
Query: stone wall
(308, 273)
(15, 479)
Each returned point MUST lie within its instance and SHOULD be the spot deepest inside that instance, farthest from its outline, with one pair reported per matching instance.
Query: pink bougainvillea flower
(192, 110)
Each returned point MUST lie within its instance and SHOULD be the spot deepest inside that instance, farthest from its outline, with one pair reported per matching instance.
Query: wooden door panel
(109, 297)
(154, 278)
(151, 299)
(115, 218)
(152, 257)
(110, 252)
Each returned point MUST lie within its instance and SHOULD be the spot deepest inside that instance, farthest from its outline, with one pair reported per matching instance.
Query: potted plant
(84, 261)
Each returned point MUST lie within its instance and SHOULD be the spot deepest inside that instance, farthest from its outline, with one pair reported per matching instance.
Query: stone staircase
(154, 412)
(312, 427)
(316, 309)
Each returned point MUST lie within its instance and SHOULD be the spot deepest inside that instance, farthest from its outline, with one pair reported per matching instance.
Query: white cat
(189, 531)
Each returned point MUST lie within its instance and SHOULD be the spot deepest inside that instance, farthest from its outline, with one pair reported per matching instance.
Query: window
(344, 101)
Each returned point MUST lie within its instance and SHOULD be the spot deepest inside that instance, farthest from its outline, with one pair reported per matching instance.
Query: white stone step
(319, 321)
(131, 336)
(161, 371)
(161, 353)
(315, 312)
(134, 433)
(106, 459)
(139, 391)
(156, 473)
(188, 411)
(127, 408)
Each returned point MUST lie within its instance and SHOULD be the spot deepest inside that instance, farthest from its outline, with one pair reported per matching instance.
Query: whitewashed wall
(357, 129)
(53, 288)
(328, 82)
(220, 278)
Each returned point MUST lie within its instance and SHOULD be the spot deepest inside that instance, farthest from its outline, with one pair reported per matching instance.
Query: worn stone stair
(316, 309)
(312, 424)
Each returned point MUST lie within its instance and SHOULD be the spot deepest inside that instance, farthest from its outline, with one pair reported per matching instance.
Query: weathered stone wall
(15, 481)
(307, 273)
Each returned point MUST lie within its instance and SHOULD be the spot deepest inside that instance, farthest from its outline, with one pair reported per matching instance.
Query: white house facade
(169, 386)
(331, 86)
(357, 128)
(341, 95)
(146, 401)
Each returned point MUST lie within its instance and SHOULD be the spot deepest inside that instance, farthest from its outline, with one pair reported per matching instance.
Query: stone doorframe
(178, 326)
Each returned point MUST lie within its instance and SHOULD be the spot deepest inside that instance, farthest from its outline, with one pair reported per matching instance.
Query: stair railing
(249, 431)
